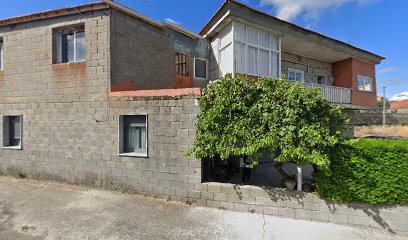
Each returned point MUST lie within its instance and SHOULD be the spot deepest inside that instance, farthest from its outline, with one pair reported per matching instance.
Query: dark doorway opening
(264, 174)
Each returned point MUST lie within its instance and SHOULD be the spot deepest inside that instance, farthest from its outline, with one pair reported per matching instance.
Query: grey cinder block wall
(70, 124)
(63, 106)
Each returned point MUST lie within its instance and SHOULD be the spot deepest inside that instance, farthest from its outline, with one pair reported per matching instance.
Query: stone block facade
(303, 206)
(312, 68)
(70, 120)
(142, 55)
(166, 172)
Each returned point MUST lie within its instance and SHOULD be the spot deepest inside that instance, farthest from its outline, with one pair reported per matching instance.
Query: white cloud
(400, 96)
(290, 9)
(172, 21)
(387, 70)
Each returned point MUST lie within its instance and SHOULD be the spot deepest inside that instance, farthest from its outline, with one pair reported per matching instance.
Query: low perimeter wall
(305, 206)
(377, 118)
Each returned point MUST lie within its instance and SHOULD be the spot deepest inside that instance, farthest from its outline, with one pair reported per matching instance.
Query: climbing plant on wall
(256, 118)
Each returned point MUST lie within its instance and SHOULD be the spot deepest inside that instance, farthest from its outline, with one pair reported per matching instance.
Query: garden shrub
(367, 171)
(255, 118)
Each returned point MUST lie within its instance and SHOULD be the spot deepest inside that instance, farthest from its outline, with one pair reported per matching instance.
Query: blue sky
(379, 26)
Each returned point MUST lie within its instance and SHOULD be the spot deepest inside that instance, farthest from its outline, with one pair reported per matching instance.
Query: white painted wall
(226, 53)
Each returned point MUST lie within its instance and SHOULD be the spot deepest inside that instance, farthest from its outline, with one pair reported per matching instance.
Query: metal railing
(333, 94)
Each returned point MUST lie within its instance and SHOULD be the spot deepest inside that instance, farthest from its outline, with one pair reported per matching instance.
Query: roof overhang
(101, 5)
(295, 39)
(182, 30)
(54, 13)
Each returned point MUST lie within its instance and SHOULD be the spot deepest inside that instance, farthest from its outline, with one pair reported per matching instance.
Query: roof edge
(181, 30)
(207, 27)
(121, 8)
(100, 5)
(54, 13)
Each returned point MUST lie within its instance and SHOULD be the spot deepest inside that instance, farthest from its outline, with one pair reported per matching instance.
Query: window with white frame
(296, 75)
(12, 129)
(257, 52)
(200, 68)
(1, 54)
(365, 83)
(133, 135)
(70, 45)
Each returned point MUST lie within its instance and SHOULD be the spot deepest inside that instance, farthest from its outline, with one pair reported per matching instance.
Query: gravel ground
(42, 210)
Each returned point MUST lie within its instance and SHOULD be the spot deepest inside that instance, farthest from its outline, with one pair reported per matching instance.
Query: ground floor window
(133, 135)
(12, 129)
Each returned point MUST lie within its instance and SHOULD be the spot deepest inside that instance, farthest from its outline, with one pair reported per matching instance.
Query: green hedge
(366, 171)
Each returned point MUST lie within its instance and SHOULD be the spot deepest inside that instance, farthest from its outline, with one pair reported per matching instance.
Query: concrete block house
(101, 95)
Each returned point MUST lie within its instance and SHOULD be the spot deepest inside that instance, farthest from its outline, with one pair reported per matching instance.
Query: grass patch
(387, 131)
(19, 175)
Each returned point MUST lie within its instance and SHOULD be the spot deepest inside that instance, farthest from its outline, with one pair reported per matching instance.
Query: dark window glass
(134, 134)
(1, 54)
(11, 131)
(80, 46)
(15, 131)
(200, 68)
(68, 48)
(71, 45)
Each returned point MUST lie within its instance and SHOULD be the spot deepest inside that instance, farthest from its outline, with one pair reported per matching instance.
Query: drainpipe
(299, 178)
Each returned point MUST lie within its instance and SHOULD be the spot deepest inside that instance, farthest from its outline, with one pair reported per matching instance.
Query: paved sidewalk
(41, 210)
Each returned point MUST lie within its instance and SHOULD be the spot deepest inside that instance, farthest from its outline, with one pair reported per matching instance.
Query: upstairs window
(12, 131)
(296, 75)
(133, 135)
(200, 68)
(70, 44)
(256, 52)
(1, 54)
(365, 83)
(182, 64)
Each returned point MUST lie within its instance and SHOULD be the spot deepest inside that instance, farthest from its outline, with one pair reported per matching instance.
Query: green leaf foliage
(255, 118)
(366, 170)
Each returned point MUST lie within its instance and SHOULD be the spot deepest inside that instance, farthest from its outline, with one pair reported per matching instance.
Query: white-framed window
(256, 52)
(12, 131)
(364, 83)
(1, 54)
(133, 139)
(70, 45)
(296, 75)
(200, 68)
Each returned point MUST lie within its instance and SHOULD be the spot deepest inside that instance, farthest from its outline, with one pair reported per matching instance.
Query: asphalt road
(41, 210)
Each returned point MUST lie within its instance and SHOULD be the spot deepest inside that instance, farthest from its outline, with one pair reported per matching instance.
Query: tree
(380, 103)
(255, 118)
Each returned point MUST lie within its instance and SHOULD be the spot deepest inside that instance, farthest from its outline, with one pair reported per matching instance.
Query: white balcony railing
(333, 94)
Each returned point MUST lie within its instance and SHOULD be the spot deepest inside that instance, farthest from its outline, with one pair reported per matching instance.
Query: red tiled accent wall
(345, 75)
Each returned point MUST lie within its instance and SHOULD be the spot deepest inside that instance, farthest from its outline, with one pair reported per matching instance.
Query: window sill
(13, 148)
(365, 91)
(141, 155)
(201, 79)
(68, 63)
